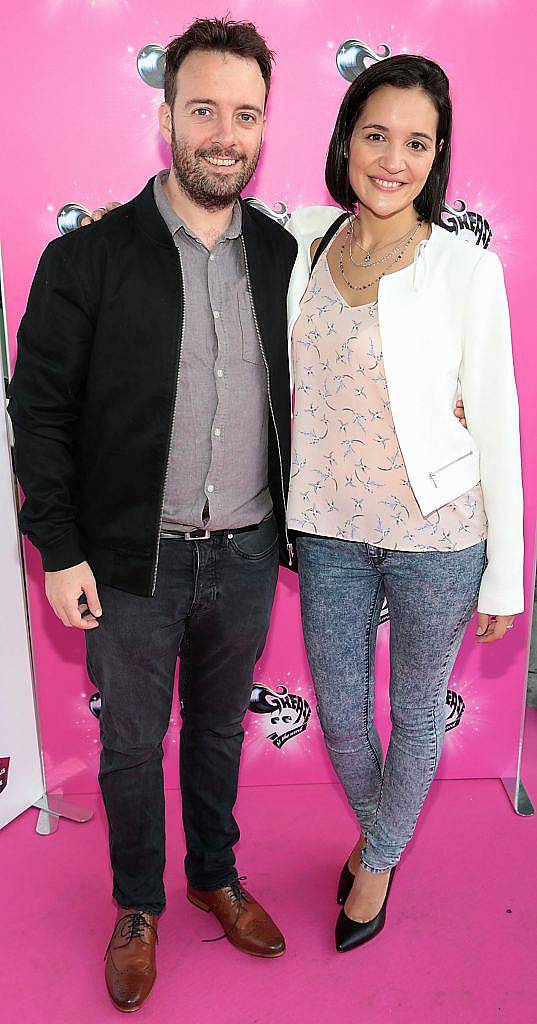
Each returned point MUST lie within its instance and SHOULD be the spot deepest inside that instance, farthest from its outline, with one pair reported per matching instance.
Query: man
(151, 412)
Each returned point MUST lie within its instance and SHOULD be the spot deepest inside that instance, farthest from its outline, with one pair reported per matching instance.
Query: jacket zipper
(172, 422)
(447, 465)
(267, 371)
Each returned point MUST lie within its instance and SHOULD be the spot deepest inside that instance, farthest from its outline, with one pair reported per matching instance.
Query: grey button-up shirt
(218, 466)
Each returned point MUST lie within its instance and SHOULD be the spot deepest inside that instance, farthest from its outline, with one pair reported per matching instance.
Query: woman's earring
(345, 153)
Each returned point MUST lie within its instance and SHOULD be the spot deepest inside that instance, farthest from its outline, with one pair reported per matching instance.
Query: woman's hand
(459, 413)
(99, 213)
(492, 627)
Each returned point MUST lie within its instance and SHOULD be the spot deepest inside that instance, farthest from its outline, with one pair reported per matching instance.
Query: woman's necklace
(399, 256)
(368, 260)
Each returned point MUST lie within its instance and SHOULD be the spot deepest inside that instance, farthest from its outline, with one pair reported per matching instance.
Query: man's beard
(212, 191)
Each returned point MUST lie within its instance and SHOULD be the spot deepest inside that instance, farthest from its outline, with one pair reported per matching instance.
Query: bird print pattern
(348, 476)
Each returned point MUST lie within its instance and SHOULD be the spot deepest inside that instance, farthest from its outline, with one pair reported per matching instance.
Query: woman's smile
(387, 184)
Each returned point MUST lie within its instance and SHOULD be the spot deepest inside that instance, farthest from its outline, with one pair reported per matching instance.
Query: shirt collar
(175, 223)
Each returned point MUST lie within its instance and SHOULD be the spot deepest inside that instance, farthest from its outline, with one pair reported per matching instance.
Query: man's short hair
(221, 35)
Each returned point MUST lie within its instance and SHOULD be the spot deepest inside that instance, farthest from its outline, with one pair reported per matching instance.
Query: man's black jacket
(93, 391)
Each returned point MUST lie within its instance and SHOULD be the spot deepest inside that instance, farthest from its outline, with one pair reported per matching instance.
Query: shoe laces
(240, 898)
(133, 926)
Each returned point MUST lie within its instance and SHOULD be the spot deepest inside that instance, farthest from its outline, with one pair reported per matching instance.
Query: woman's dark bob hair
(404, 71)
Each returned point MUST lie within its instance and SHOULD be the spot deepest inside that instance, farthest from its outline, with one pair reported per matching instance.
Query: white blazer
(444, 324)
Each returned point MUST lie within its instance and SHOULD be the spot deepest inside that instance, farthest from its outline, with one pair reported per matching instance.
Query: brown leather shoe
(131, 966)
(246, 925)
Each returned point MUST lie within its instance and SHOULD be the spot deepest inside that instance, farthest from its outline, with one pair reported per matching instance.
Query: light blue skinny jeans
(431, 597)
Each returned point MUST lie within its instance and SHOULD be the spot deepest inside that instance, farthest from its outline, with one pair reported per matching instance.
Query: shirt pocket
(251, 351)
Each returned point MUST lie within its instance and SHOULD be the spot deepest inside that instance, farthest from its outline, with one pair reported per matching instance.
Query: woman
(390, 495)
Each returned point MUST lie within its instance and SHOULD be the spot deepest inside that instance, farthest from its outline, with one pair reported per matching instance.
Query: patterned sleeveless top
(348, 477)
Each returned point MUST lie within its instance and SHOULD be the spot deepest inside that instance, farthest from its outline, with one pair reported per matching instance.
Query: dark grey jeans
(212, 607)
(431, 598)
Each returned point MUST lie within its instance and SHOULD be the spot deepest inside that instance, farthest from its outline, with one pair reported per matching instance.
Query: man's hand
(492, 627)
(99, 213)
(459, 413)
(63, 590)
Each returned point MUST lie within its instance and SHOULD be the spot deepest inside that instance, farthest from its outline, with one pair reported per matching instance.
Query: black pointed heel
(350, 934)
(346, 880)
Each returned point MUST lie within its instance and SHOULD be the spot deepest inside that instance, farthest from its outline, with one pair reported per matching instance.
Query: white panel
(21, 783)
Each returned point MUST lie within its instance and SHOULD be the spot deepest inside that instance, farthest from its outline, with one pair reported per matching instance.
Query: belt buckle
(191, 535)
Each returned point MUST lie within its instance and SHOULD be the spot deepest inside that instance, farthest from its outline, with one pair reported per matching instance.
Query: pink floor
(459, 945)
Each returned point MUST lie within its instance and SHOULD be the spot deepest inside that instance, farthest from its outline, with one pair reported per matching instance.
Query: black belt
(206, 534)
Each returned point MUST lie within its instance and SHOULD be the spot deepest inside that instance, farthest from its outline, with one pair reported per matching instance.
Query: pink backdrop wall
(78, 124)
